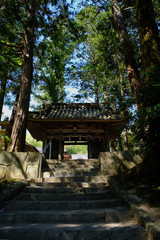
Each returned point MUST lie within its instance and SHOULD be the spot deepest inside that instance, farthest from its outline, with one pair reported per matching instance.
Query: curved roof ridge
(86, 111)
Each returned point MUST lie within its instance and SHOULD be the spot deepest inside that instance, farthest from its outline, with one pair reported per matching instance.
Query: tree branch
(16, 13)
(99, 10)
(17, 45)
(12, 79)
(26, 4)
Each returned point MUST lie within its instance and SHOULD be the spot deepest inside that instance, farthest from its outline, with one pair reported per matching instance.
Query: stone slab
(113, 231)
(66, 196)
(142, 218)
(112, 163)
(19, 165)
(63, 205)
(72, 216)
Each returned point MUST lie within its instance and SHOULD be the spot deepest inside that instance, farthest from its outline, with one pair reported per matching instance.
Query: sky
(6, 112)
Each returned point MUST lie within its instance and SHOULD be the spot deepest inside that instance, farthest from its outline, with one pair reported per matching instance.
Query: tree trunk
(128, 53)
(96, 90)
(150, 65)
(120, 148)
(150, 52)
(126, 139)
(14, 109)
(17, 142)
(2, 94)
(61, 89)
(148, 34)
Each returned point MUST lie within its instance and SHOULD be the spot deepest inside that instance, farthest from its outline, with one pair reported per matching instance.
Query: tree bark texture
(150, 67)
(128, 52)
(96, 89)
(150, 51)
(126, 139)
(2, 94)
(148, 33)
(120, 147)
(17, 142)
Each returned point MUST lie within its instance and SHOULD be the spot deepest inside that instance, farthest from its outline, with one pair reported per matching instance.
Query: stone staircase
(73, 202)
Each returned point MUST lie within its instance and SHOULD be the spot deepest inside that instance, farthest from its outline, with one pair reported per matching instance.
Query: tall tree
(128, 52)
(19, 127)
(2, 91)
(150, 72)
(27, 17)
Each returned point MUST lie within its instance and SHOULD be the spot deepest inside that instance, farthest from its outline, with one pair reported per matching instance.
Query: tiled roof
(66, 111)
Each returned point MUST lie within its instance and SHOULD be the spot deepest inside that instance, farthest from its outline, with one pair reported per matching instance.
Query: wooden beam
(89, 149)
(71, 131)
(83, 143)
(125, 120)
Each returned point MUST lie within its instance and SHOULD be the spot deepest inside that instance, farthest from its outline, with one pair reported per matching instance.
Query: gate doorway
(77, 149)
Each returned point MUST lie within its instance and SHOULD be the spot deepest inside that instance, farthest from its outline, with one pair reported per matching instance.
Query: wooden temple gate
(94, 125)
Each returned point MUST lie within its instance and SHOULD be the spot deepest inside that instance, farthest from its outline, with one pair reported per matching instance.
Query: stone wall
(118, 162)
(2, 140)
(19, 165)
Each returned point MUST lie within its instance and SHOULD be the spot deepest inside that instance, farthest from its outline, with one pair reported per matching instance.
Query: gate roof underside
(76, 119)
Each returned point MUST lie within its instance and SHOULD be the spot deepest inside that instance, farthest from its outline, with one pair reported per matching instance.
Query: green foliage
(148, 129)
(99, 71)
(10, 59)
(75, 149)
(53, 54)
(32, 141)
(7, 140)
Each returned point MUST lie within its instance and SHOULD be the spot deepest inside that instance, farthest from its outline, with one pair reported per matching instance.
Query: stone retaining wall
(25, 165)
(118, 162)
(19, 165)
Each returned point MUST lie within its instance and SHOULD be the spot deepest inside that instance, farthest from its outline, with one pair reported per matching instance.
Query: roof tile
(75, 111)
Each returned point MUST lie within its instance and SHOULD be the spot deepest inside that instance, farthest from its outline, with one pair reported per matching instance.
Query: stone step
(102, 231)
(73, 161)
(65, 197)
(63, 205)
(78, 168)
(72, 216)
(70, 173)
(75, 204)
(72, 168)
(75, 165)
(69, 184)
(91, 179)
(66, 190)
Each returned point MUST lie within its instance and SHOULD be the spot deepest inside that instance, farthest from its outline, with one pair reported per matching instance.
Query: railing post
(50, 149)
(40, 163)
(40, 168)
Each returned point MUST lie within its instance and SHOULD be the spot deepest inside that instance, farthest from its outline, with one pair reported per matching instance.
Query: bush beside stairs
(72, 202)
